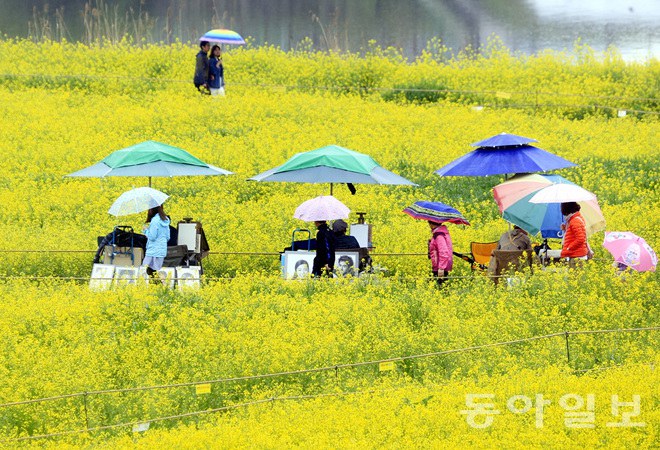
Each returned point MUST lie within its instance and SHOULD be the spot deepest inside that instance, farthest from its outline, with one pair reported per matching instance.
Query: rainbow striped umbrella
(223, 36)
(513, 199)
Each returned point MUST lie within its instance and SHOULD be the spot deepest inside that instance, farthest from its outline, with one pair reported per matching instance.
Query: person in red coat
(574, 246)
(440, 251)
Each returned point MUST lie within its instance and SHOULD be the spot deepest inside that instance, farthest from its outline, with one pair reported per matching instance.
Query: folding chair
(479, 254)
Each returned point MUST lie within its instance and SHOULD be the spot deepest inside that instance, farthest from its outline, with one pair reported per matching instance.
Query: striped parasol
(223, 36)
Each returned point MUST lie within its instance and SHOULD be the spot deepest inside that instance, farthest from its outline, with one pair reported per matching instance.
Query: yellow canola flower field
(526, 410)
(60, 338)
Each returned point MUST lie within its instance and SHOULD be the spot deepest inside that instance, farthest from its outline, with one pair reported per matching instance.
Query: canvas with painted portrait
(346, 263)
(102, 275)
(126, 275)
(167, 275)
(188, 277)
(297, 265)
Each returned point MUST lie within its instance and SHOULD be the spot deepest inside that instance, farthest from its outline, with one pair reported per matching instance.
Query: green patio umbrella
(149, 159)
(332, 164)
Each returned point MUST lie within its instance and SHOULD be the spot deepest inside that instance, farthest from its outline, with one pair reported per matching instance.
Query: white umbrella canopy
(325, 207)
(137, 200)
(561, 193)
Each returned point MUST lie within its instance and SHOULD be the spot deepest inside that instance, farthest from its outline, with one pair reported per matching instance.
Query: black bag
(120, 236)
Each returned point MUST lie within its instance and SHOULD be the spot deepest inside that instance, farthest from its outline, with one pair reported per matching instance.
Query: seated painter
(343, 240)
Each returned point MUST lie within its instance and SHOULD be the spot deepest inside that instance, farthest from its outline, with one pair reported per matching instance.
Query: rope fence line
(396, 254)
(397, 277)
(271, 400)
(207, 411)
(312, 396)
(267, 400)
(335, 367)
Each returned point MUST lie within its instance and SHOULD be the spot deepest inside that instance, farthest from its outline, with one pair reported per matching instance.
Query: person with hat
(342, 240)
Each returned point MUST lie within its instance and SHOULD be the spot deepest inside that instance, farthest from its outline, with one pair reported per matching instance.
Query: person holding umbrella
(319, 210)
(440, 252)
(158, 233)
(202, 68)
(574, 246)
(440, 245)
(324, 261)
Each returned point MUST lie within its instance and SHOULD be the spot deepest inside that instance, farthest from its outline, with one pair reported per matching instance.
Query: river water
(528, 26)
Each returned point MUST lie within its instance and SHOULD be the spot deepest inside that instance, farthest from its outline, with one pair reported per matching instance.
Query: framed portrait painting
(188, 277)
(102, 275)
(297, 265)
(346, 263)
(167, 275)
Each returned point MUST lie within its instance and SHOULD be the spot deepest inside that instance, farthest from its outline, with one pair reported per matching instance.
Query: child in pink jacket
(440, 251)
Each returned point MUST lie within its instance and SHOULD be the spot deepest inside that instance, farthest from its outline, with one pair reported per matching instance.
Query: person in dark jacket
(324, 261)
(339, 228)
(216, 72)
(202, 68)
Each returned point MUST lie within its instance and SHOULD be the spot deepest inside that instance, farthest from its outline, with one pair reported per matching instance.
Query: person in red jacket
(440, 251)
(575, 245)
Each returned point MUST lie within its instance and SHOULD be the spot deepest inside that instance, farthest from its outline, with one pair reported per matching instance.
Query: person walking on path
(440, 251)
(202, 68)
(216, 81)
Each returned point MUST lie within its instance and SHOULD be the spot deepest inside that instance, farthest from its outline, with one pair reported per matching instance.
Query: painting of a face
(302, 269)
(345, 265)
(297, 264)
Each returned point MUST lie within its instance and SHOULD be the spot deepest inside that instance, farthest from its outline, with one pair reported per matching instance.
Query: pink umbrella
(325, 207)
(631, 250)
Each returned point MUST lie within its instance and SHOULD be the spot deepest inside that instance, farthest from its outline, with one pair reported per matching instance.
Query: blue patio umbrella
(504, 154)
(503, 140)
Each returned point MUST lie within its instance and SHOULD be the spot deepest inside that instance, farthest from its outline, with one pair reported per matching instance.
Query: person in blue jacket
(158, 233)
(216, 80)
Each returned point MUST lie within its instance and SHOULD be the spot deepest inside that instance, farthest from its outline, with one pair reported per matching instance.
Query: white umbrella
(137, 200)
(561, 193)
(325, 207)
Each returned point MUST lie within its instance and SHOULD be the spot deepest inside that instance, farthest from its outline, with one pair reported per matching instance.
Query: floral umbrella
(436, 212)
(137, 200)
(325, 207)
(631, 250)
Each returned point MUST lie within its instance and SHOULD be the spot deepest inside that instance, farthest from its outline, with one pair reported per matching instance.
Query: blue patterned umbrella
(436, 212)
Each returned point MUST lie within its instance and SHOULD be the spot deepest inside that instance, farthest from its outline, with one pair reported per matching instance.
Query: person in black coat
(324, 261)
(343, 240)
